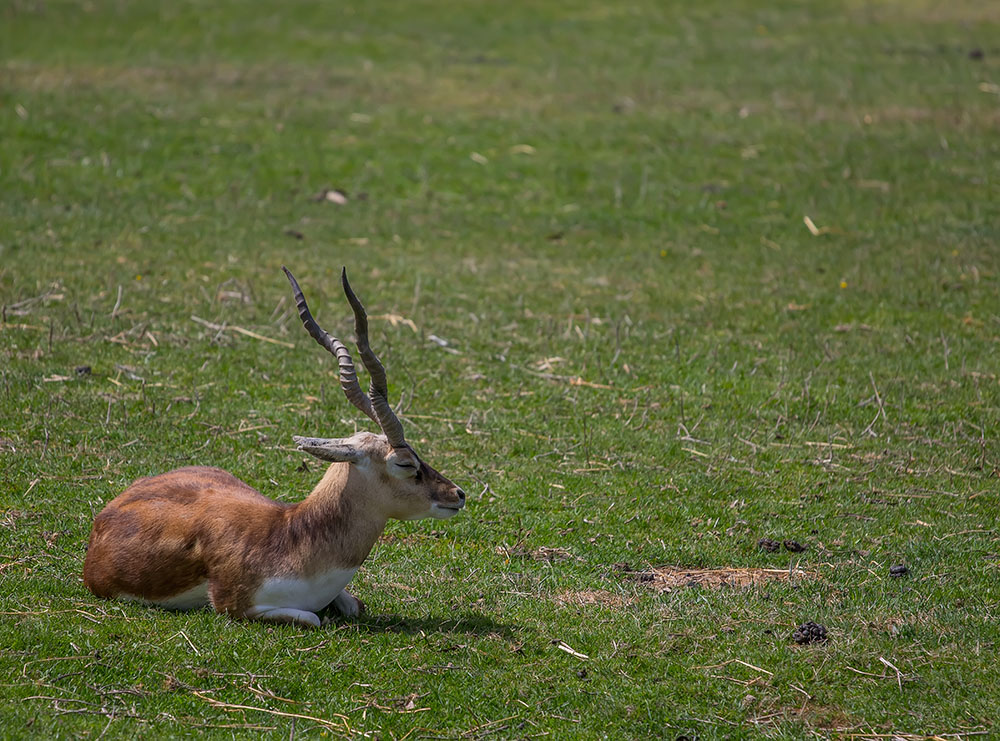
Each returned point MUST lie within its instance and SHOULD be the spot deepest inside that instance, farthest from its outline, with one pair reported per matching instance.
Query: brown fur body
(167, 534)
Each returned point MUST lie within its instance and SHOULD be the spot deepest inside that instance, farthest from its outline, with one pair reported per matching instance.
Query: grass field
(707, 273)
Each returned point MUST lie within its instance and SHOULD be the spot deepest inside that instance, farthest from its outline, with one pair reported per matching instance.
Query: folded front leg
(346, 604)
(289, 615)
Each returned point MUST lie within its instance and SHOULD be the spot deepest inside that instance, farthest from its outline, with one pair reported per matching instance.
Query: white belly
(304, 593)
(192, 599)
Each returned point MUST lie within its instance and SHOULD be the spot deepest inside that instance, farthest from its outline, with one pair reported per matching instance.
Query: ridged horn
(379, 390)
(348, 376)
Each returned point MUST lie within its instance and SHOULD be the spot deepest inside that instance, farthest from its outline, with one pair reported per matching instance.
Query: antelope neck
(341, 517)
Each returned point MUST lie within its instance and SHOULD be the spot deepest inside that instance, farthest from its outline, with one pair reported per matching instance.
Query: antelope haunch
(199, 536)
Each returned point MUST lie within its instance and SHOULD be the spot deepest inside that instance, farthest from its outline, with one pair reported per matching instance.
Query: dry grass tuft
(538, 554)
(668, 578)
(591, 597)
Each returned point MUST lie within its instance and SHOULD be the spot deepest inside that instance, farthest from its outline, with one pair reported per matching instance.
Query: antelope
(198, 536)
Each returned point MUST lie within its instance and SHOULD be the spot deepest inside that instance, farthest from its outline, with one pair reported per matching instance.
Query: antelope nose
(461, 495)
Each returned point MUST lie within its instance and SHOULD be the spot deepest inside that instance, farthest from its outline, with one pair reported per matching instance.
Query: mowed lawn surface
(653, 281)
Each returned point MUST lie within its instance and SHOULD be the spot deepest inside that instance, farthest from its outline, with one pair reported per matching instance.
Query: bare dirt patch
(668, 578)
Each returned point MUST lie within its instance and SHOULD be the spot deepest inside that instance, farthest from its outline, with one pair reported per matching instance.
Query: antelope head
(399, 483)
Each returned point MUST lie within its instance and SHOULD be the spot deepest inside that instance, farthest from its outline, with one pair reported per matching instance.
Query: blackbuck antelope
(199, 536)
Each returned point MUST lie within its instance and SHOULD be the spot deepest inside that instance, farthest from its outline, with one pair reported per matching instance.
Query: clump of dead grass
(587, 597)
(543, 553)
(668, 578)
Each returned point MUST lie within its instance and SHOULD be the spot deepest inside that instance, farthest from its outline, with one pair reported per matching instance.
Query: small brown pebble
(766, 544)
(582, 674)
(794, 546)
(898, 570)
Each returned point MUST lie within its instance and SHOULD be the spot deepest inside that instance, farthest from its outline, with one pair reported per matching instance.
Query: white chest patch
(304, 593)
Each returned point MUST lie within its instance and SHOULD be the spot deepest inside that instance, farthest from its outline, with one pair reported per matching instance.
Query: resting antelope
(199, 536)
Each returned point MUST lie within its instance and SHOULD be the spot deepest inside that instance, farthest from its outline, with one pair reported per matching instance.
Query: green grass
(611, 193)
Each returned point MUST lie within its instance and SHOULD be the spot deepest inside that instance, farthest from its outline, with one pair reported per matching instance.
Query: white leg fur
(347, 604)
(268, 614)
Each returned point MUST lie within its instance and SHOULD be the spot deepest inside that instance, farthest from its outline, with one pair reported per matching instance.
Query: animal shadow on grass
(469, 622)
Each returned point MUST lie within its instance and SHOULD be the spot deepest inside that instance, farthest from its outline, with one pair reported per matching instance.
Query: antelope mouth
(444, 511)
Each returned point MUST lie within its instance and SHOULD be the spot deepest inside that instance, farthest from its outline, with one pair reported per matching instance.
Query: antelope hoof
(348, 605)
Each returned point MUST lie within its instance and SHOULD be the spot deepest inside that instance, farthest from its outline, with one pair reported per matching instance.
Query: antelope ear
(335, 450)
